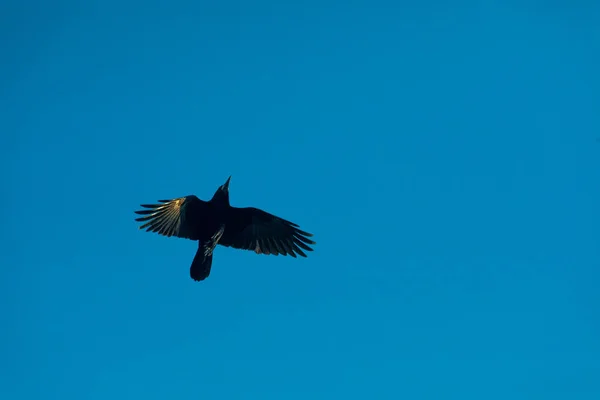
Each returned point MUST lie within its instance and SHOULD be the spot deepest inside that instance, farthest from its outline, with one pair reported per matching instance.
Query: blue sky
(447, 159)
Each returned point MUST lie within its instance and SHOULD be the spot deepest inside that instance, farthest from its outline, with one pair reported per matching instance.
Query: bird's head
(222, 193)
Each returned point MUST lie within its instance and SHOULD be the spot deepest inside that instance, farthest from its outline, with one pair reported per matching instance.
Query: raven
(216, 222)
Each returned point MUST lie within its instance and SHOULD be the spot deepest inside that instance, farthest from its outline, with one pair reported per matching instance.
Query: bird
(216, 222)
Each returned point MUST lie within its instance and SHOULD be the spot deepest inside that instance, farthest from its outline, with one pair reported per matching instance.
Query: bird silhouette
(216, 222)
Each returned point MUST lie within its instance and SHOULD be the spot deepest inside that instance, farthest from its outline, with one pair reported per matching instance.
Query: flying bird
(216, 222)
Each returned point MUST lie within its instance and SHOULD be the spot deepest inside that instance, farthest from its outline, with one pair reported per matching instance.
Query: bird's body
(216, 222)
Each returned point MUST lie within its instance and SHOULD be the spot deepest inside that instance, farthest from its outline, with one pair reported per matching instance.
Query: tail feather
(200, 269)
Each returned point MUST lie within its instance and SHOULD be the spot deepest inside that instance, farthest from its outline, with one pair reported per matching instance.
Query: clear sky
(446, 157)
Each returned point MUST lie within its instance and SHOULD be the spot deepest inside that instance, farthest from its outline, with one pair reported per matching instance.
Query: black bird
(217, 222)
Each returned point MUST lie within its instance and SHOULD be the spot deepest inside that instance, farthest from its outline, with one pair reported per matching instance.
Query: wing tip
(149, 205)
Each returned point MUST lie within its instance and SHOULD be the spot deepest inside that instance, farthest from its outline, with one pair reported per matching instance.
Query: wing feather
(178, 217)
(254, 229)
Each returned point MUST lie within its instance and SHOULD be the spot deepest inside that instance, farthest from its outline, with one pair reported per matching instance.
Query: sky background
(446, 157)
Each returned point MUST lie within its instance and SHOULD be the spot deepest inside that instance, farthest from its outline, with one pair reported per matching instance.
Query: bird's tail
(200, 268)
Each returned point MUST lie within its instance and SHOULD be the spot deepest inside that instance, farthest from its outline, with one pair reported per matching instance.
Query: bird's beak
(226, 184)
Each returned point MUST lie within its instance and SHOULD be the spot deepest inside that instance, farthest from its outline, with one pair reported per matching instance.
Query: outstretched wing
(253, 229)
(180, 217)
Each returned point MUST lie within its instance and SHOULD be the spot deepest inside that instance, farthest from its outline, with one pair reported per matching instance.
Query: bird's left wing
(253, 229)
(180, 217)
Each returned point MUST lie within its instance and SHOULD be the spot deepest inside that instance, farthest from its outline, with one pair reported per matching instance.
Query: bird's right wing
(180, 217)
(254, 229)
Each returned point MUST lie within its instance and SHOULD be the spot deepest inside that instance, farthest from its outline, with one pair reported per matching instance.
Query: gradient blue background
(447, 158)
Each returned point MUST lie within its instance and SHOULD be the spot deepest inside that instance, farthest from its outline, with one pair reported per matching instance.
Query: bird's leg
(214, 240)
